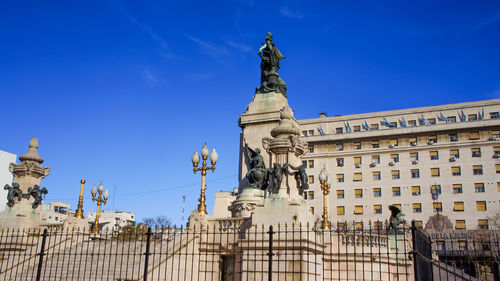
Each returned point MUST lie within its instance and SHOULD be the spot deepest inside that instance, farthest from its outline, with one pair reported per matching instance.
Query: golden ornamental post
(325, 187)
(79, 211)
(103, 198)
(202, 208)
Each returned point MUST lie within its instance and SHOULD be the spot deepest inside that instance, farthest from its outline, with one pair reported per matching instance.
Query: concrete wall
(5, 176)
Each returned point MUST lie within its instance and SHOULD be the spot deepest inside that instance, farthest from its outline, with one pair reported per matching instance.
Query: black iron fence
(221, 252)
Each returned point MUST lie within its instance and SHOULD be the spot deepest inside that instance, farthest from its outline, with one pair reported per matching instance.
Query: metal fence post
(42, 253)
(270, 254)
(146, 258)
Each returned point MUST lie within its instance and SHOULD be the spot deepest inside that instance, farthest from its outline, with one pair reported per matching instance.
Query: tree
(157, 222)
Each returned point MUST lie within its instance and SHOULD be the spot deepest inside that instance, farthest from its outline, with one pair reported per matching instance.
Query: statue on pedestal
(269, 66)
(257, 174)
(301, 178)
(13, 192)
(37, 193)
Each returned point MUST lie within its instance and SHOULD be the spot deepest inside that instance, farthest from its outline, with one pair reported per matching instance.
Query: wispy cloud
(488, 21)
(239, 46)
(217, 52)
(150, 31)
(291, 14)
(152, 79)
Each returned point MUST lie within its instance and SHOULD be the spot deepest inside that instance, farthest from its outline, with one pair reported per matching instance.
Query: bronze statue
(257, 173)
(301, 178)
(396, 218)
(13, 192)
(269, 66)
(36, 192)
(276, 174)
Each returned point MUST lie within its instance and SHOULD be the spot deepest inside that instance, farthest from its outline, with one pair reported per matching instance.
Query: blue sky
(125, 91)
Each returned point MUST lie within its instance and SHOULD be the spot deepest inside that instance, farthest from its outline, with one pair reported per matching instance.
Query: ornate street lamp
(101, 199)
(202, 208)
(79, 211)
(325, 187)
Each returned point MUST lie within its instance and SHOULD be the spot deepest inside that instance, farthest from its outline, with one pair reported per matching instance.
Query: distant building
(396, 157)
(5, 176)
(55, 212)
(223, 200)
(113, 220)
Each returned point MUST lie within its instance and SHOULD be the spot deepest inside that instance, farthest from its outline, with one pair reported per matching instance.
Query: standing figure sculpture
(396, 218)
(276, 174)
(13, 192)
(269, 66)
(36, 192)
(257, 174)
(301, 178)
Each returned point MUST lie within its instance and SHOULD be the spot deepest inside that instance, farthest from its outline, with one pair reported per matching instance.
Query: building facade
(113, 220)
(55, 213)
(397, 157)
(5, 175)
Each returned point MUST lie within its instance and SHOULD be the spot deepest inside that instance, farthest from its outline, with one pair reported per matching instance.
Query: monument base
(20, 216)
(279, 210)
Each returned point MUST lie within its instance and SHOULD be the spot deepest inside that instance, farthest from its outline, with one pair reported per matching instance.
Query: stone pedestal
(246, 202)
(281, 210)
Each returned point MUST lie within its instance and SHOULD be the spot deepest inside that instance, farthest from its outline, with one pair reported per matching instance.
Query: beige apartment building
(396, 157)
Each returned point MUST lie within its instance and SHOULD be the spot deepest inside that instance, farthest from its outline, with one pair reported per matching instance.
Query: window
(481, 206)
(395, 158)
(377, 209)
(376, 159)
(479, 187)
(460, 224)
(498, 186)
(311, 163)
(340, 146)
(434, 172)
(340, 210)
(311, 133)
(311, 148)
(304, 133)
(358, 193)
(378, 225)
(356, 128)
(458, 206)
(374, 126)
(476, 152)
(358, 177)
(433, 139)
(340, 162)
(375, 143)
(357, 145)
(462, 244)
(438, 206)
(432, 121)
(358, 209)
(412, 123)
(311, 195)
(477, 169)
(454, 153)
(311, 210)
(497, 168)
(482, 224)
(395, 174)
(357, 160)
(436, 189)
(494, 115)
(310, 179)
(398, 206)
(377, 192)
(412, 141)
(396, 191)
(393, 142)
(304, 163)
(376, 176)
(340, 177)
(417, 207)
(419, 224)
(339, 130)
(415, 173)
(415, 190)
(453, 137)
(394, 124)
(455, 171)
(340, 194)
(496, 151)
(473, 135)
(451, 119)
(440, 245)
(341, 225)
(495, 134)
(414, 156)
(434, 155)
(358, 225)
(457, 188)
(472, 117)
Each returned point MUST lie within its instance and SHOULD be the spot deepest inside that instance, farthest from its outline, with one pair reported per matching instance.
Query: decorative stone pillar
(25, 194)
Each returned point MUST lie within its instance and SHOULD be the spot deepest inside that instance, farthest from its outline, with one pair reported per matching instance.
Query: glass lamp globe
(100, 188)
(94, 190)
(214, 156)
(195, 159)
(106, 194)
(204, 151)
(329, 182)
(323, 175)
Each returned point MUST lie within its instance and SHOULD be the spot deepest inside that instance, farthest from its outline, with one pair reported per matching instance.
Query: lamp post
(325, 187)
(79, 211)
(202, 208)
(101, 199)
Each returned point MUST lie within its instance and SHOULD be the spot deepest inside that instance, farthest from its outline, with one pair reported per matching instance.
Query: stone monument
(271, 175)
(25, 194)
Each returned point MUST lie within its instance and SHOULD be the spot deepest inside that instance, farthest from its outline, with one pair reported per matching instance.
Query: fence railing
(225, 252)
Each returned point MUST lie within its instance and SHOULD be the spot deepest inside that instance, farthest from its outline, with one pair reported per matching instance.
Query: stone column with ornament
(25, 194)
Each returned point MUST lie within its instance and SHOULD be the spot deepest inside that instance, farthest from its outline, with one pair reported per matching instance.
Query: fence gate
(422, 254)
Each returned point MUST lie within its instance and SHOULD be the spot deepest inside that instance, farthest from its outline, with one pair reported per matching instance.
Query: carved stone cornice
(29, 168)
